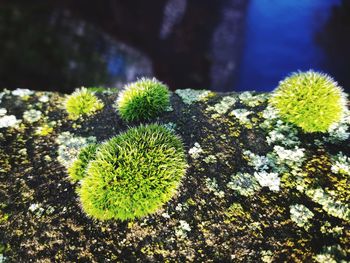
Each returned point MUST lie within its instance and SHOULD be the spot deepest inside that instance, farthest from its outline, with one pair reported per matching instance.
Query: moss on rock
(256, 189)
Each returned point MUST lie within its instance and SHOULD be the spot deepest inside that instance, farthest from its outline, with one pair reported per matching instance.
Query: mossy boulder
(257, 189)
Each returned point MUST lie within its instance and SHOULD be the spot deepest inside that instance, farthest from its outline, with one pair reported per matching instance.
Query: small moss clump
(133, 174)
(77, 171)
(143, 99)
(310, 100)
(82, 102)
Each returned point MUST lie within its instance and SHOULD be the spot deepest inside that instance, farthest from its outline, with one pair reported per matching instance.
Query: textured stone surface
(256, 190)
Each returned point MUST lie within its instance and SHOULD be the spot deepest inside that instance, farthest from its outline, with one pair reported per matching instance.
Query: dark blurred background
(223, 45)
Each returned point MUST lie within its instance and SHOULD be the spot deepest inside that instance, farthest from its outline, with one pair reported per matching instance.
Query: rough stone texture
(256, 190)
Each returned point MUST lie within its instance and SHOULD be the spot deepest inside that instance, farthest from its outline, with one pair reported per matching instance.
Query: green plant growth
(310, 100)
(143, 99)
(82, 102)
(133, 174)
(77, 171)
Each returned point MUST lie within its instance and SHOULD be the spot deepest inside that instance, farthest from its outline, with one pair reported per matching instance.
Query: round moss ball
(143, 99)
(77, 171)
(133, 174)
(82, 102)
(311, 100)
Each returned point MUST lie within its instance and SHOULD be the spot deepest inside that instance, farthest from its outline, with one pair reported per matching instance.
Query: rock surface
(256, 190)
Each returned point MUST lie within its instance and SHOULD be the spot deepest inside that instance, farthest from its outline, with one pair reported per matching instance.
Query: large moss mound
(133, 174)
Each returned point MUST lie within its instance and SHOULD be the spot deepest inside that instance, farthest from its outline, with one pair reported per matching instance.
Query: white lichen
(292, 158)
(169, 108)
(32, 115)
(69, 147)
(278, 132)
(223, 106)
(33, 207)
(195, 151)
(341, 164)
(258, 162)
(165, 215)
(182, 230)
(44, 98)
(190, 96)
(213, 187)
(170, 126)
(266, 256)
(301, 215)
(339, 132)
(36, 209)
(331, 206)
(210, 159)
(270, 180)
(253, 100)
(178, 207)
(244, 183)
(283, 133)
(8, 121)
(22, 92)
(270, 113)
(242, 115)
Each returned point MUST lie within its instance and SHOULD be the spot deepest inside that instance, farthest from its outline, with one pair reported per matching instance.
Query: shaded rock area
(256, 189)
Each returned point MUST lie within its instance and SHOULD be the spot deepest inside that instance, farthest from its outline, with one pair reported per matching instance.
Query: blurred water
(280, 38)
